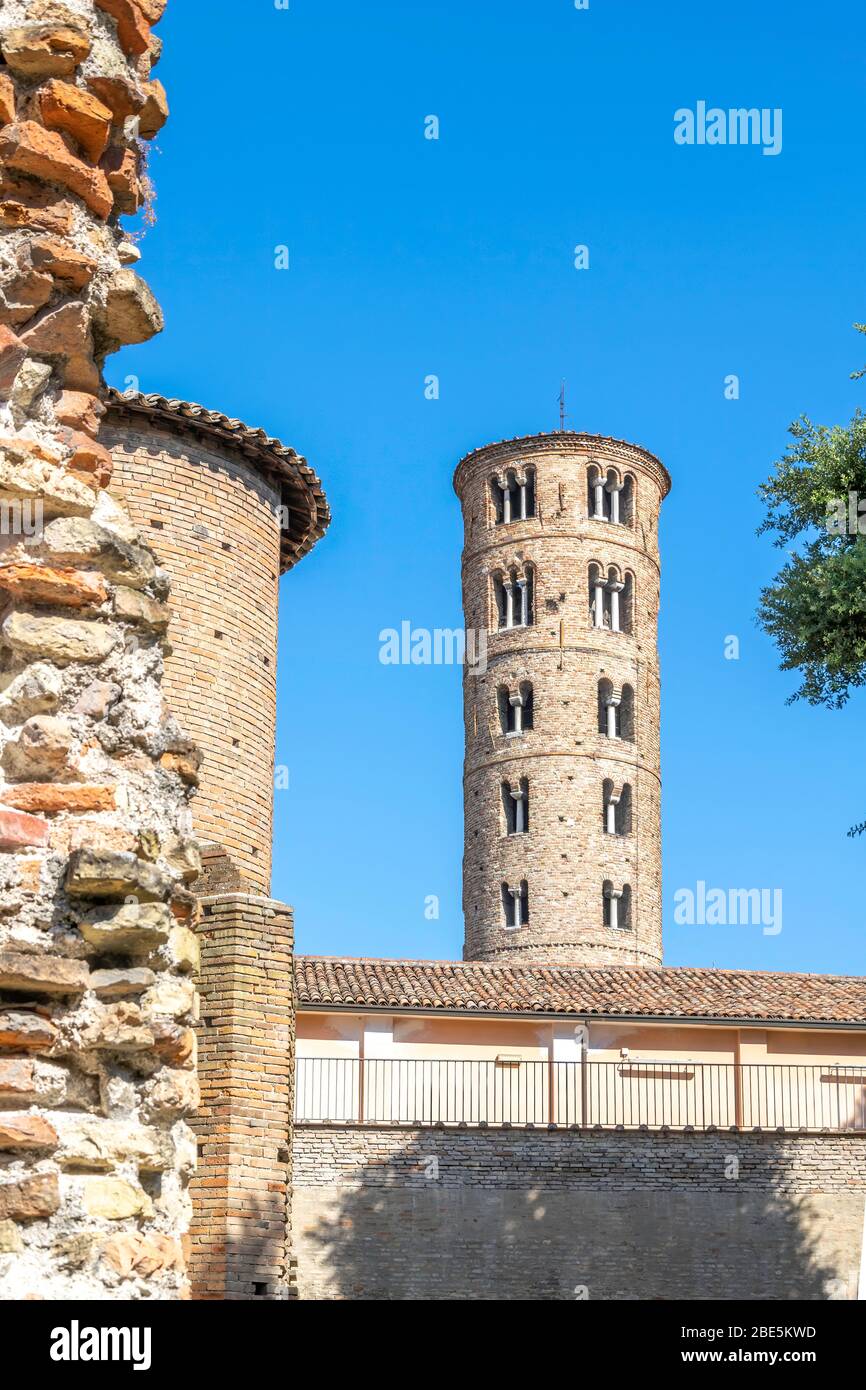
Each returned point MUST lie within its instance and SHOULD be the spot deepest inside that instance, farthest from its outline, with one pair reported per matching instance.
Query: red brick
(7, 100)
(18, 830)
(133, 27)
(78, 113)
(29, 149)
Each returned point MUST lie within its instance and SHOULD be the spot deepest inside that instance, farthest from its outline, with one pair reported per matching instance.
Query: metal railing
(626, 1094)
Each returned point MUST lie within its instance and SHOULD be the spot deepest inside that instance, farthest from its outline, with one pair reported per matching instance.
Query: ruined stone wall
(389, 1213)
(97, 1056)
(564, 760)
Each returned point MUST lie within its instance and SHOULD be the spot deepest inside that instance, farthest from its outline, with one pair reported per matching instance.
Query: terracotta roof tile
(668, 992)
(301, 489)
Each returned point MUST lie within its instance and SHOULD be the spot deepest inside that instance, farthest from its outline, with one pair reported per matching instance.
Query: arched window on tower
(515, 905)
(515, 708)
(616, 808)
(599, 599)
(609, 498)
(611, 598)
(625, 908)
(514, 597)
(527, 586)
(594, 494)
(497, 497)
(616, 906)
(515, 805)
(513, 495)
(526, 495)
(626, 604)
(501, 593)
(614, 588)
(615, 710)
(608, 718)
(607, 802)
(627, 501)
(613, 491)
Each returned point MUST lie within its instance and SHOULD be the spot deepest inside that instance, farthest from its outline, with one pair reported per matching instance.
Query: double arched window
(615, 710)
(516, 711)
(515, 806)
(616, 906)
(616, 808)
(515, 905)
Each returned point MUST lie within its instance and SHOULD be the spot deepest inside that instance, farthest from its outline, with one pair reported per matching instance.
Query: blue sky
(305, 128)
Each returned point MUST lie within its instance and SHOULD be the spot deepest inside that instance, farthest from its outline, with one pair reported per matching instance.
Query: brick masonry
(212, 496)
(566, 856)
(240, 1192)
(551, 1215)
(213, 521)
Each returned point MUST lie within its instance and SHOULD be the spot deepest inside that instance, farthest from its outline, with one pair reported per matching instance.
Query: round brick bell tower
(562, 861)
(226, 510)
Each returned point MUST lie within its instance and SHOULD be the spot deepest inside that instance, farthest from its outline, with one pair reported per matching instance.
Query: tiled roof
(301, 490)
(625, 992)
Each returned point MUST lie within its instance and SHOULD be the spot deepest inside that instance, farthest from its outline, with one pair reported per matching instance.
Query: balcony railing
(629, 1095)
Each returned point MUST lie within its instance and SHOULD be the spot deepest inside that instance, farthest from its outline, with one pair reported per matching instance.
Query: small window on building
(608, 496)
(515, 804)
(514, 598)
(627, 501)
(611, 599)
(615, 711)
(515, 708)
(616, 906)
(608, 709)
(599, 608)
(513, 496)
(515, 905)
(626, 604)
(616, 809)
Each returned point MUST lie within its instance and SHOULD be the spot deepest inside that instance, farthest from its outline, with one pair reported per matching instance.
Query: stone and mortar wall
(566, 856)
(534, 1214)
(212, 521)
(97, 1055)
(241, 1225)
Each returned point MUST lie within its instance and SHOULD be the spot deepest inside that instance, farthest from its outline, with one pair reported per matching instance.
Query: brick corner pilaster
(241, 1228)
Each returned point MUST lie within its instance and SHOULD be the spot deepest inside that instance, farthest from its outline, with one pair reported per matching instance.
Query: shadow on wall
(243, 1257)
(436, 1221)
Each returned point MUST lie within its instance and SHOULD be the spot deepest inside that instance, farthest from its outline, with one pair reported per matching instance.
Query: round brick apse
(562, 787)
(226, 510)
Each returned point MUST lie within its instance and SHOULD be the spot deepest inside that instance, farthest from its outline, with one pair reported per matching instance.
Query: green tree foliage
(815, 609)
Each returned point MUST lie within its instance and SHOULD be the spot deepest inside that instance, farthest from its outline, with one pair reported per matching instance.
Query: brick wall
(240, 1229)
(566, 856)
(212, 519)
(535, 1214)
